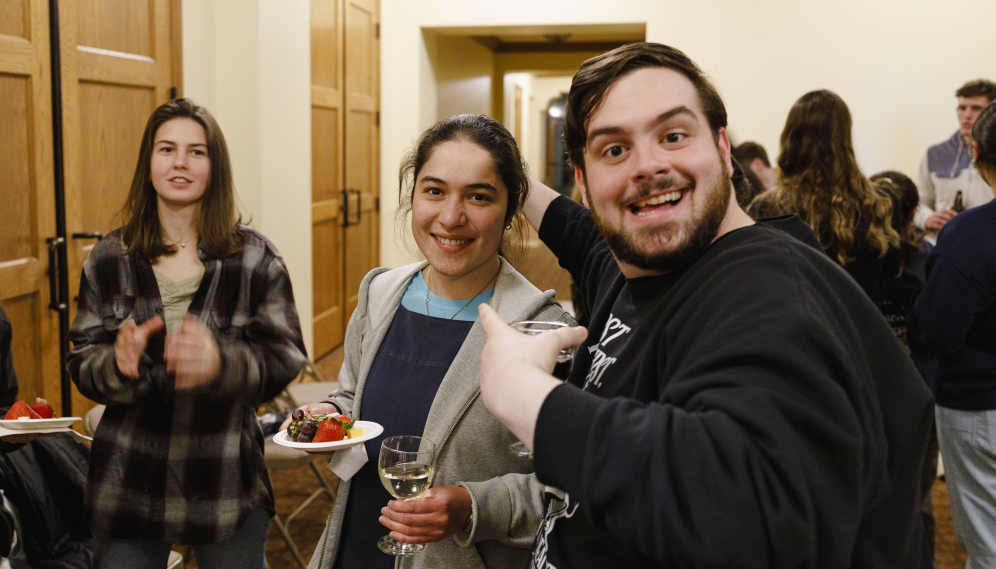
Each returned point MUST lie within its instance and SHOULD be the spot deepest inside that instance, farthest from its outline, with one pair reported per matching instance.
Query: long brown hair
(217, 227)
(820, 179)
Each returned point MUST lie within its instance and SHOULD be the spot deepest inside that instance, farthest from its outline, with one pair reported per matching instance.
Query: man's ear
(756, 166)
(723, 144)
(975, 149)
(580, 179)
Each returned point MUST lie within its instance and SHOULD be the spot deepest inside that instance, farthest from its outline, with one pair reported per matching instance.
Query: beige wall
(249, 63)
(895, 62)
(463, 71)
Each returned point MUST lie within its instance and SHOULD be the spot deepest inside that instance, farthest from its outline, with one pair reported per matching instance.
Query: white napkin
(346, 463)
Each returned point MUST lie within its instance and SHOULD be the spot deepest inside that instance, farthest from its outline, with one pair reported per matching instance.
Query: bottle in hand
(959, 202)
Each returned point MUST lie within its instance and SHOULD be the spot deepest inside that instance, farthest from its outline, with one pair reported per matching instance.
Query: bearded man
(740, 402)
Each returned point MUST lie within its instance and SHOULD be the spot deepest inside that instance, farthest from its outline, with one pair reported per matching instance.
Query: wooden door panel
(326, 44)
(361, 30)
(15, 164)
(28, 196)
(362, 136)
(117, 67)
(13, 21)
(112, 120)
(327, 174)
(327, 244)
(327, 284)
(117, 25)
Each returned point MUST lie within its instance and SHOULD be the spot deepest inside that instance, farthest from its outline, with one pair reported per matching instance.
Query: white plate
(370, 430)
(35, 424)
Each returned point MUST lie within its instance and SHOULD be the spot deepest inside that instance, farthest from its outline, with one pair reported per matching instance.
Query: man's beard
(698, 231)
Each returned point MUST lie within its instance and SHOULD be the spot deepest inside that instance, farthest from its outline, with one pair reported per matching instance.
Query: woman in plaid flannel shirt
(186, 324)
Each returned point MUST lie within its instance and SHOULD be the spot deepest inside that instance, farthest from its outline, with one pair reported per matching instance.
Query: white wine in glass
(406, 467)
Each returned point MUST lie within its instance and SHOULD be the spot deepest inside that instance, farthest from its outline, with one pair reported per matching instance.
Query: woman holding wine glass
(412, 359)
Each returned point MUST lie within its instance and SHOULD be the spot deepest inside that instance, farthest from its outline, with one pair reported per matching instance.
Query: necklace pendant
(183, 244)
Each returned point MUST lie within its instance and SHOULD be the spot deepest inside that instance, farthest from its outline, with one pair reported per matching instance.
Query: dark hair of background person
(217, 228)
(984, 134)
(746, 184)
(599, 73)
(495, 139)
(820, 179)
(908, 198)
(978, 88)
(746, 152)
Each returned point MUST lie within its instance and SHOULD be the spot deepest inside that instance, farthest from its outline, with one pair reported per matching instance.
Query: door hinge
(377, 203)
(378, 30)
(377, 118)
(172, 93)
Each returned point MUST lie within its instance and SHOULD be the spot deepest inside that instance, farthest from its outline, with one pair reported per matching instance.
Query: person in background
(820, 180)
(955, 316)
(186, 324)
(738, 401)
(752, 156)
(898, 292)
(948, 181)
(412, 359)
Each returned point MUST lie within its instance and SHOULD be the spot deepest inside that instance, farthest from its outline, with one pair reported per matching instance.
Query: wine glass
(560, 370)
(406, 469)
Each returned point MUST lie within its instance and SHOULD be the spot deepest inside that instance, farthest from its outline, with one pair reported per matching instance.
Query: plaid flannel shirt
(183, 466)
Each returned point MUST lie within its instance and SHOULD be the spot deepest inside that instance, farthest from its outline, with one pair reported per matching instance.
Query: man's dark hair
(978, 88)
(601, 72)
(746, 153)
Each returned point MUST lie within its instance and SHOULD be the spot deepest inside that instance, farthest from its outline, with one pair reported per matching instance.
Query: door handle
(95, 235)
(54, 302)
(345, 207)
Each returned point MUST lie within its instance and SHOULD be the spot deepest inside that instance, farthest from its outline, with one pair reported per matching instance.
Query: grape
(297, 415)
(308, 428)
(302, 438)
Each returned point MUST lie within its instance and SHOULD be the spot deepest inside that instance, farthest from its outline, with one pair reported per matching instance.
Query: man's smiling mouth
(647, 205)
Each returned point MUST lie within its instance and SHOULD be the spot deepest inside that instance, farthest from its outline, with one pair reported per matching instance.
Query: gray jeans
(244, 549)
(968, 447)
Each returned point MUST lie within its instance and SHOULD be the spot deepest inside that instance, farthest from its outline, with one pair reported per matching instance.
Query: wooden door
(28, 196)
(326, 173)
(117, 67)
(362, 143)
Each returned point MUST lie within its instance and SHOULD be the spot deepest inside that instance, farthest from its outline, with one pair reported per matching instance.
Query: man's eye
(674, 137)
(614, 151)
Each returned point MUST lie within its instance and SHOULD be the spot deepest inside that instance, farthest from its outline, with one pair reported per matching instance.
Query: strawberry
(21, 409)
(347, 423)
(329, 430)
(44, 410)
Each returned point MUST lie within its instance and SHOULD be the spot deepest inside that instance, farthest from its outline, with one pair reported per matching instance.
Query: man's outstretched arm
(539, 198)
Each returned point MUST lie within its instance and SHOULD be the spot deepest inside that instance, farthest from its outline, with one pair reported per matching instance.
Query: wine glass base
(520, 450)
(391, 546)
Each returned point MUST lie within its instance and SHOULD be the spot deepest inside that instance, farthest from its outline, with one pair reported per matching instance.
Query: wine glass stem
(397, 561)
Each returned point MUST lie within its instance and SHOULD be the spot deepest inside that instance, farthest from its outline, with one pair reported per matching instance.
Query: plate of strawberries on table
(39, 416)
(325, 432)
